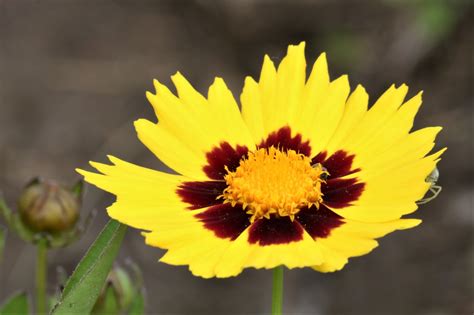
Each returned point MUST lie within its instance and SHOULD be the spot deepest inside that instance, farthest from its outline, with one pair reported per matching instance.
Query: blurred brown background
(73, 76)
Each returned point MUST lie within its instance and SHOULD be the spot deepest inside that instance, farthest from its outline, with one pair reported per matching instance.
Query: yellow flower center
(276, 182)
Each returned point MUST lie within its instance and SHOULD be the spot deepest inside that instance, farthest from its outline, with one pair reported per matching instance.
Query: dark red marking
(344, 195)
(224, 155)
(282, 139)
(336, 184)
(319, 158)
(338, 164)
(318, 222)
(338, 192)
(201, 194)
(276, 230)
(225, 221)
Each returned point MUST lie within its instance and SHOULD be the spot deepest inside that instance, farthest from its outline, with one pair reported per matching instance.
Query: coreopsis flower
(304, 175)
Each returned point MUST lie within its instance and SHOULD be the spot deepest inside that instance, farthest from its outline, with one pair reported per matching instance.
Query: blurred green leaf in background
(18, 304)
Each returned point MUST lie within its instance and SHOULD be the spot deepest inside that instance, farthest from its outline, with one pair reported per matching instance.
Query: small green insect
(434, 189)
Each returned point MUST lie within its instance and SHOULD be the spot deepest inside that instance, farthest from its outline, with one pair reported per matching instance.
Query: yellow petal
(190, 126)
(176, 154)
(145, 198)
(355, 239)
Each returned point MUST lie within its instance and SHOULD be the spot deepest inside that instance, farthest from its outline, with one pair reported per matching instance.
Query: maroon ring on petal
(225, 220)
(339, 192)
(222, 156)
(318, 222)
(282, 139)
(276, 230)
(339, 164)
(201, 194)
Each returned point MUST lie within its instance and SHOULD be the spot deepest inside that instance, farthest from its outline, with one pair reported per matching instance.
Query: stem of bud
(41, 275)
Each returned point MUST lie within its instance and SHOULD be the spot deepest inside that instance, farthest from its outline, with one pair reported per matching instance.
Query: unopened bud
(118, 293)
(45, 206)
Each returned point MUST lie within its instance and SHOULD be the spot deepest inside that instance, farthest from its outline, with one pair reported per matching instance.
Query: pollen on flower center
(270, 181)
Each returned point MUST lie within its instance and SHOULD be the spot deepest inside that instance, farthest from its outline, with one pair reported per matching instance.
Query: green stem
(277, 292)
(41, 271)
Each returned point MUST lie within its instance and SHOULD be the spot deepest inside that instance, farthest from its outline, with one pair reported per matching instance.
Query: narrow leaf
(78, 188)
(17, 304)
(5, 211)
(138, 304)
(86, 282)
(3, 236)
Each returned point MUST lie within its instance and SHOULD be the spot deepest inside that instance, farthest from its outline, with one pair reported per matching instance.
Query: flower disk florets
(274, 182)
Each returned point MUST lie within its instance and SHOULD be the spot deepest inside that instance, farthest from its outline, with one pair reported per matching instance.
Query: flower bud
(45, 206)
(118, 293)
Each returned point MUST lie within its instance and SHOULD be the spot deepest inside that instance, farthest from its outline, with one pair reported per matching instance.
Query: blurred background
(73, 75)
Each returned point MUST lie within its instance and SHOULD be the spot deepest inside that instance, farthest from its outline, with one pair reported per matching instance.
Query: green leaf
(14, 221)
(138, 304)
(16, 305)
(3, 236)
(5, 211)
(78, 188)
(86, 282)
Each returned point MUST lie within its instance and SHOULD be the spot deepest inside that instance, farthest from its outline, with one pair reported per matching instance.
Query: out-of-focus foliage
(3, 236)
(18, 304)
(122, 294)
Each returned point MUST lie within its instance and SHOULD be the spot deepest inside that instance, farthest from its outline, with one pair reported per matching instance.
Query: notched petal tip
(391, 88)
(113, 159)
(437, 155)
(142, 123)
(322, 58)
(403, 89)
(319, 71)
(298, 48)
(268, 66)
(343, 77)
(177, 75)
(180, 82)
(156, 84)
(360, 89)
(97, 165)
(150, 96)
(81, 171)
(249, 81)
(410, 223)
(417, 98)
(301, 44)
(331, 267)
(342, 81)
(219, 81)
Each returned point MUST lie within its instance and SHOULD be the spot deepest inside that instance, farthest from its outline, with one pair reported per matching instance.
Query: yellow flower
(305, 175)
